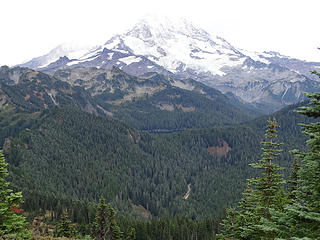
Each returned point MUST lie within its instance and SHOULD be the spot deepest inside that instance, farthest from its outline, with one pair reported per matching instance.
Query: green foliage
(302, 219)
(108, 157)
(296, 218)
(162, 105)
(231, 224)
(294, 179)
(114, 230)
(105, 226)
(66, 159)
(64, 227)
(175, 108)
(12, 223)
(35, 91)
(132, 234)
(101, 226)
(63, 158)
(263, 195)
(178, 228)
(268, 188)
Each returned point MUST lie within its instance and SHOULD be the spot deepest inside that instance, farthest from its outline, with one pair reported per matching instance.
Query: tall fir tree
(100, 226)
(12, 223)
(64, 227)
(302, 219)
(268, 190)
(114, 230)
(105, 226)
(263, 195)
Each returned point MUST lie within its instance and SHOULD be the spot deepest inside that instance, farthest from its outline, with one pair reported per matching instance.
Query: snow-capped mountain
(177, 46)
(66, 50)
(267, 80)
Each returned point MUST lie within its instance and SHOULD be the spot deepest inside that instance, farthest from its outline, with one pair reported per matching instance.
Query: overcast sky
(30, 28)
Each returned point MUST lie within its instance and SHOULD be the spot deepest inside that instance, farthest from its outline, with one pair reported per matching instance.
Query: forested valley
(113, 181)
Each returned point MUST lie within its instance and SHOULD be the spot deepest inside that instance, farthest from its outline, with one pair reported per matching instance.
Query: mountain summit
(177, 46)
(267, 80)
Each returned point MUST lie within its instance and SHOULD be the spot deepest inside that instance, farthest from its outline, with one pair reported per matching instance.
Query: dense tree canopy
(263, 194)
(12, 223)
(265, 211)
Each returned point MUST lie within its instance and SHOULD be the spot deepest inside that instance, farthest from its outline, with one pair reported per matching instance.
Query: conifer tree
(132, 234)
(100, 227)
(114, 229)
(105, 226)
(230, 225)
(268, 188)
(12, 223)
(293, 182)
(64, 227)
(263, 195)
(302, 219)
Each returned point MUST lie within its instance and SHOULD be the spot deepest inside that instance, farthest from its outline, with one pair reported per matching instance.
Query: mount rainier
(267, 81)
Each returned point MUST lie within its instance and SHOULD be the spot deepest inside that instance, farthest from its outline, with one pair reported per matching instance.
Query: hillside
(57, 150)
(155, 101)
(24, 93)
(152, 101)
(32, 91)
(153, 170)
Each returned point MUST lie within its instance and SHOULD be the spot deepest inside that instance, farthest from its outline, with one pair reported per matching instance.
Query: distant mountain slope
(155, 101)
(24, 93)
(301, 67)
(31, 91)
(150, 102)
(266, 80)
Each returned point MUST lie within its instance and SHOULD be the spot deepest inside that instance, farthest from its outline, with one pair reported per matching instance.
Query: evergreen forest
(67, 171)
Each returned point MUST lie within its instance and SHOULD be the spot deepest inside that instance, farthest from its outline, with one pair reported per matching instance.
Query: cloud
(32, 28)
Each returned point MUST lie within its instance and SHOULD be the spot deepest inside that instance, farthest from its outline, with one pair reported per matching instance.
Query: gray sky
(30, 28)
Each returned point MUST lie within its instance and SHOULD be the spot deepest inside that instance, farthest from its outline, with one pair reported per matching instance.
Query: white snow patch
(71, 51)
(130, 59)
(80, 61)
(52, 60)
(122, 51)
(92, 53)
(110, 55)
(255, 56)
